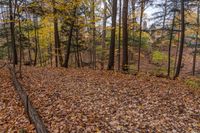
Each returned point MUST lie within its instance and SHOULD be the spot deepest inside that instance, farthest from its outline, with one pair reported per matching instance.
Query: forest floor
(81, 100)
(12, 115)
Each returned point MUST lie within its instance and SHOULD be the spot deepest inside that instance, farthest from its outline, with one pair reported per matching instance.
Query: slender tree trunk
(119, 35)
(170, 43)
(68, 49)
(36, 40)
(12, 30)
(125, 36)
(176, 55)
(112, 45)
(6, 31)
(133, 30)
(133, 2)
(29, 48)
(28, 32)
(77, 48)
(39, 49)
(66, 64)
(7, 41)
(75, 58)
(197, 41)
(140, 43)
(178, 69)
(104, 34)
(20, 43)
(177, 47)
(81, 60)
(56, 37)
(94, 34)
(164, 17)
(51, 56)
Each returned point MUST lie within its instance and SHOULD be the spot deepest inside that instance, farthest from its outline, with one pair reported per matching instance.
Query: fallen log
(30, 110)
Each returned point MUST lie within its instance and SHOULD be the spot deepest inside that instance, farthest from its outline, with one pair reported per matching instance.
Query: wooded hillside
(100, 66)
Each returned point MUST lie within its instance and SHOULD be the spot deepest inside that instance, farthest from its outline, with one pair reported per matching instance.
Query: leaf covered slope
(93, 101)
(12, 115)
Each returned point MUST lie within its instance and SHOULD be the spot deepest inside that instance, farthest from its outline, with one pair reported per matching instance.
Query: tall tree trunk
(67, 54)
(77, 48)
(104, 34)
(197, 41)
(68, 49)
(140, 43)
(55, 34)
(51, 56)
(39, 49)
(133, 3)
(20, 43)
(177, 46)
(6, 30)
(12, 30)
(178, 69)
(125, 36)
(170, 41)
(164, 17)
(29, 48)
(28, 32)
(119, 35)
(134, 27)
(112, 45)
(36, 40)
(58, 52)
(94, 34)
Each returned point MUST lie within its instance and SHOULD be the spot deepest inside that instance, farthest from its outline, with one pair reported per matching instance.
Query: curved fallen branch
(30, 110)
